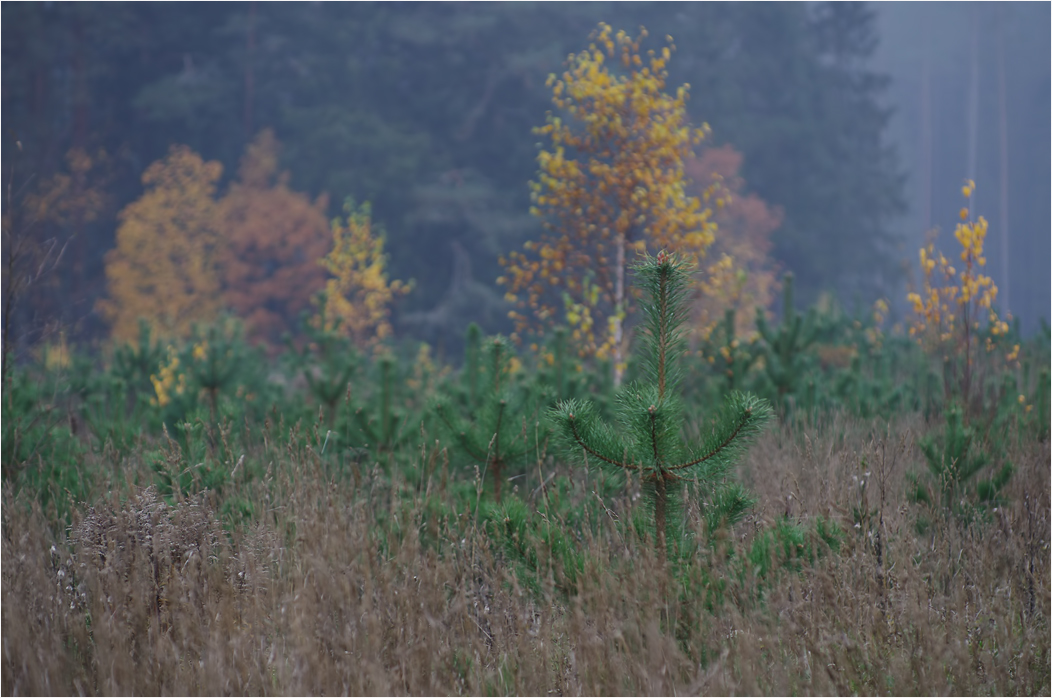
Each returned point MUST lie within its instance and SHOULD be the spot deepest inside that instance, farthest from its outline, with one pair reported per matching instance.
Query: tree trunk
(973, 103)
(1003, 123)
(660, 506)
(926, 146)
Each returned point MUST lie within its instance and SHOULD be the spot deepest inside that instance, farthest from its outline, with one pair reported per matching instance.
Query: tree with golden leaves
(274, 239)
(357, 299)
(743, 275)
(164, 266)
(612, 182)
(954, 315)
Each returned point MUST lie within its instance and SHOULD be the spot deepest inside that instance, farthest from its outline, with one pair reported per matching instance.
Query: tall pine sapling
(504, 426)
(650, 443)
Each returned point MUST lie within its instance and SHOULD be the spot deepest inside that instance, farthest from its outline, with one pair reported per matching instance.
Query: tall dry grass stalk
(353, 588)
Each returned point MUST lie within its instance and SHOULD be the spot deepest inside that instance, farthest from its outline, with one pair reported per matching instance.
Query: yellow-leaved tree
(357, 299)
(954, 314)
(163, 268)
(273, 239)
(612, 182)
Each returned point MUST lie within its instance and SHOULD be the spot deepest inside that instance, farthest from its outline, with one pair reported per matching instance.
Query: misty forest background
(858, 123)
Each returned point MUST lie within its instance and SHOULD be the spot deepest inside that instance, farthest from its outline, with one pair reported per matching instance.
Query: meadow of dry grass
(351, 585)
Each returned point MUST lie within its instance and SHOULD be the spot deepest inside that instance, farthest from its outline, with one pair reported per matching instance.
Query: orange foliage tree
(273, 241)
(164, 266)
(357, 299)
(613, 181)
(70, 196)
(743, 275)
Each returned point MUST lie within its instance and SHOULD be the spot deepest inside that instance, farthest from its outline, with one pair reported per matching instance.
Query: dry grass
(342, 588)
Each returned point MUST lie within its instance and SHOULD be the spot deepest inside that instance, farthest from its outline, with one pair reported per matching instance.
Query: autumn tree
(954, 311)
(742, 275)
(357, 298)
(274, 239)
(163, 268)
(612, 182)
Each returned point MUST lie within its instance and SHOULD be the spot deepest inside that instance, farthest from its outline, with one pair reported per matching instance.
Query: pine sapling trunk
(496, 458)
(386, 368)
(213, 398)
(660, 509)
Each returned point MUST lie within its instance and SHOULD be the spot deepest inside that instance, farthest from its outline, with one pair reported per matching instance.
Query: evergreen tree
(784, 345)
(789, 85)
(650, 445)
(503, 427)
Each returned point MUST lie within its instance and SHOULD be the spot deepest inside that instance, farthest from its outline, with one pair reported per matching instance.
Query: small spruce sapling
(731, 357)
(785, 345)
(567, 377)
(504, 426)
(133, 364)
(955, 459)
(217, 355)
(472, 356)
(385, 424)
(650, 444)
(333, 367)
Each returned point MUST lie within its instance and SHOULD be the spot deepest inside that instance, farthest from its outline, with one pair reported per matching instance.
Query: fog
(857, 124)
(957, 70)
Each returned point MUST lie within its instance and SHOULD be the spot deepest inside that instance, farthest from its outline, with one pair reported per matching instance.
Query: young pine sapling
(784, 345)
(650, 445)
(503, 427)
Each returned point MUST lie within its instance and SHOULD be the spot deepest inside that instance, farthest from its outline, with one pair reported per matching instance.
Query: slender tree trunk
(497, 472)
(619, 304)
(1003, 123)
(660, 513)
(973, 102)
(926, 146)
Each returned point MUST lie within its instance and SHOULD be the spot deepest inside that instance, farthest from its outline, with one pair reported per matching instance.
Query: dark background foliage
(426, 109)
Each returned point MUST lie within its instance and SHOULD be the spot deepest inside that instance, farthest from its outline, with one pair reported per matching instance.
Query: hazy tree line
(426, 111)
(972, 101)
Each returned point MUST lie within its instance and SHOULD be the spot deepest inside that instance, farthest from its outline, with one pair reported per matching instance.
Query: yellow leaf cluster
(169, 381)
(164, 265)
(358, 296)
(951, 305)
(425, 373)
(55, 356)
(610, 182)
